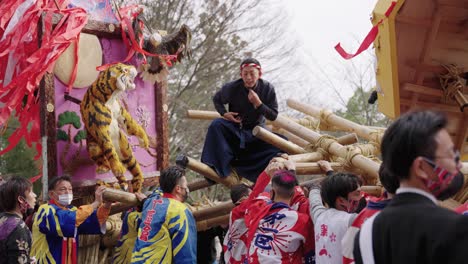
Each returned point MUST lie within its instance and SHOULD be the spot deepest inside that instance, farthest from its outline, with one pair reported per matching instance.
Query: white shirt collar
(418, 191)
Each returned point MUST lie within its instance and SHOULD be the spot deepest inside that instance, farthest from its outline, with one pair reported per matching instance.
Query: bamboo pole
(120, 196)
(293, 138)
(307, 157)
(119, 207)
(329, 117)
(210, 212)
(212, 222)
(205, 170)
(204, 115)
(277, 141)
(372, 190)
(369, 166)
(348, 139)
(314, 168)
(199, 184)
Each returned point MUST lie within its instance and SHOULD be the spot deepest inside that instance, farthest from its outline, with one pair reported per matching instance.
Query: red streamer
(368, 40)
(128, 15)
(32, 62)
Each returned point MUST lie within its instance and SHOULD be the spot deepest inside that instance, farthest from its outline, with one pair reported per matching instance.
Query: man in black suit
(418, 151)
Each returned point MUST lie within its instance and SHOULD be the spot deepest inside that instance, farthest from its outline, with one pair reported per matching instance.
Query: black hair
(391, 184)
(410, 136)
(250, 60)
(238, 191)
(170, 177)
(283, 183)
(338, 185)
(13, 188)
(55, 181)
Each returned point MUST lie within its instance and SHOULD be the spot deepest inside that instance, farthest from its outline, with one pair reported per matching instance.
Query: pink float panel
(141, 106)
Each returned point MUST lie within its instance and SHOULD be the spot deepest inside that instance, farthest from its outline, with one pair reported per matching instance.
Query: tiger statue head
(121, 76)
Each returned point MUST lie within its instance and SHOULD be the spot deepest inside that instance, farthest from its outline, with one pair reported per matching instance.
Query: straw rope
(451, 82)
(310, 123)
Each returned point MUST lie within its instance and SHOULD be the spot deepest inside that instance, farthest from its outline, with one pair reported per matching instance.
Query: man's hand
(232, 116)
(254, 99)
(140, 196)
(275, 165)
(98, 194)
(98, 197)
(324, 165)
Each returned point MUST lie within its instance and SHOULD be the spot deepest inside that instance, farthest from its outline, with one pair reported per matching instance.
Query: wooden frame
(47, 101)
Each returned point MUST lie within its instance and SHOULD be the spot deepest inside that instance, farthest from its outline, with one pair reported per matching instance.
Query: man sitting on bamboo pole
(229, 140)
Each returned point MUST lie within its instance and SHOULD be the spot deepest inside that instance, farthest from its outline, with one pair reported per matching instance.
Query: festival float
(422, 63)
(53, 52)
(61, 62)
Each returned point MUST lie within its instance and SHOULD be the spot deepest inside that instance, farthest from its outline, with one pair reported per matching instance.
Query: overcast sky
(319, 26)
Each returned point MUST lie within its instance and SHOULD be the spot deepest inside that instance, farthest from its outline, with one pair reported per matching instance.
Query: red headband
(252, 65)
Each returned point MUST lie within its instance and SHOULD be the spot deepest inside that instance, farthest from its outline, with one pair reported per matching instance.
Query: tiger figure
(104, 118)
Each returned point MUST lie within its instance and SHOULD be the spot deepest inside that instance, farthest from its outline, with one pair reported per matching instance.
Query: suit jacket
(412, 229)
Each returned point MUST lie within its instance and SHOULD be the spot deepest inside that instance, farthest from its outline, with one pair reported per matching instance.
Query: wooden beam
(161, 120)
(422, 89)
(426, 67)
(429, 43)
(47, 113)
(427, 22)
(440, 107)
(98, 28)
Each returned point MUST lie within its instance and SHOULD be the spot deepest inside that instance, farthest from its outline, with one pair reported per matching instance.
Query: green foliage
(20, 160)
(69, 118)
(360, 111)
(62, 135)
(79, 136)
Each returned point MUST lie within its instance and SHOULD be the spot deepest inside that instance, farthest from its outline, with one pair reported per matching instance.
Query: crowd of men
(329, 220)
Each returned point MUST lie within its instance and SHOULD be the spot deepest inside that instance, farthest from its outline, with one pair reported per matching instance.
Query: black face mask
(455, 186)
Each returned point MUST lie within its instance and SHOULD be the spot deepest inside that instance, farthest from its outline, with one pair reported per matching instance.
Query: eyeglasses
(456, 158)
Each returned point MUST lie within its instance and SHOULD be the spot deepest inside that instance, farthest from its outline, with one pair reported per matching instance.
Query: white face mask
(65, 199)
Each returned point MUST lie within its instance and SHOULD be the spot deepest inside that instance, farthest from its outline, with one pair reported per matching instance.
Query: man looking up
(229, 140)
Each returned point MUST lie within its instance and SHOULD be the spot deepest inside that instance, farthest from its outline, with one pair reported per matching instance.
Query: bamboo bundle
(348, 153)
(89, 249)
(326, 116)
(206, 171)
(212, 222)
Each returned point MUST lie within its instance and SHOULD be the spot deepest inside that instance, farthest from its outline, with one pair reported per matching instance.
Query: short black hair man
(418, 151)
